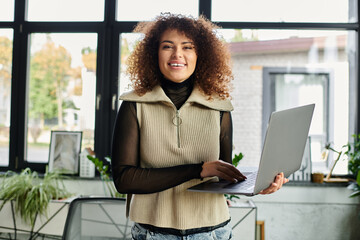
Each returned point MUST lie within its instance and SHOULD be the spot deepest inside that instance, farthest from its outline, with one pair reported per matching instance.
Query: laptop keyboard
(250, 179)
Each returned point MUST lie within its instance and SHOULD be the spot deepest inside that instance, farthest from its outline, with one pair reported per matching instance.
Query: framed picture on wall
(65, 147)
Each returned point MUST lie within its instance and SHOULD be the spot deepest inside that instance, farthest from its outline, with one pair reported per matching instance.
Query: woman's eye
(189, 47)
(166, 47)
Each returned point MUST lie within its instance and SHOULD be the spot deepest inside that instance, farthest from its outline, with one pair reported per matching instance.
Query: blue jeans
(222, 233)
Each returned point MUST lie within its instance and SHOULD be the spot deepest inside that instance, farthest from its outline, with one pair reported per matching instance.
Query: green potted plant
(353, 154)
(103, 169)
(352, 151)
(235, 162)
(31, 194)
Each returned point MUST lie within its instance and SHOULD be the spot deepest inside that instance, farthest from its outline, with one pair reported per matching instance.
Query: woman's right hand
(222, 170)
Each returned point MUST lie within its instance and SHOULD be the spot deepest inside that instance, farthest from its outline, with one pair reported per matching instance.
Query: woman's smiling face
(177, 56)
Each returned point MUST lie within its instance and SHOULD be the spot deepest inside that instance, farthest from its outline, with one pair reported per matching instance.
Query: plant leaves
(236, 159)
(30, 193)
(354, 194)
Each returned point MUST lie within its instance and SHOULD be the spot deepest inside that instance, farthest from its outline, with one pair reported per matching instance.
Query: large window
(127, 43)
(61, 89)
(297, 87)
(283, 11)
(6, 48)
(49, 73)
(278, 69)
(144, 10)
(7, 10)
(62, 66)
(65, 10)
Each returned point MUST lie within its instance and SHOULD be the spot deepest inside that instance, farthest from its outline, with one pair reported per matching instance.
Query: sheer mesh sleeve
(130, 178)
(226, 144)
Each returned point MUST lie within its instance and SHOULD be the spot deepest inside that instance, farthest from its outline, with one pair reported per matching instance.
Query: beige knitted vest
(168, 138)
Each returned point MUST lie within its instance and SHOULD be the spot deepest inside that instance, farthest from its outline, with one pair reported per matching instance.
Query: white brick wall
(247, 96)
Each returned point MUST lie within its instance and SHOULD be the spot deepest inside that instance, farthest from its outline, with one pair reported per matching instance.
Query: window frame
(269, 99)
(22, 31)
(108, 32)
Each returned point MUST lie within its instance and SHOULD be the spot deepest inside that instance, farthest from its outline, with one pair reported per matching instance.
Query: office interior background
(62, 68)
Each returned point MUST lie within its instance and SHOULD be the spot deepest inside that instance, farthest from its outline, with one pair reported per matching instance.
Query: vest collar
(158, 95)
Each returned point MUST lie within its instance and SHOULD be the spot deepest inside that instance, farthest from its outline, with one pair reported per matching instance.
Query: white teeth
(177, 64)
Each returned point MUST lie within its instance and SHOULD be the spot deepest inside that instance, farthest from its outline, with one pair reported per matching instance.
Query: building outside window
(299, 87)
(300, 68)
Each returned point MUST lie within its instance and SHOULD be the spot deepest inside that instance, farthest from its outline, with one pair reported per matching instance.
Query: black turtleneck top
(128, 176)
(177, 92)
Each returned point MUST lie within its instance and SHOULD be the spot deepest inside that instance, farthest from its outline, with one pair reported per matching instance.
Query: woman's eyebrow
(168, 41)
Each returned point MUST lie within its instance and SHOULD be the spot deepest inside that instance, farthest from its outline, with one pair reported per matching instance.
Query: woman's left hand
(276, 185)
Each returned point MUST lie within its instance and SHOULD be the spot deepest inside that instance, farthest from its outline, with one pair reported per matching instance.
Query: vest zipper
(178, 122)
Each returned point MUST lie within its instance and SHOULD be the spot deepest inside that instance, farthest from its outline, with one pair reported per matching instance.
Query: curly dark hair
(213, 71)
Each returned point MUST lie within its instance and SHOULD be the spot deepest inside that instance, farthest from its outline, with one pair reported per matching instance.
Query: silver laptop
(282, 151)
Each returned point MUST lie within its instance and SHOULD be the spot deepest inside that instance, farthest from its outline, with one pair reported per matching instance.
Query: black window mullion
(101, 96)
(103, 122)
(18, 89)
(61, 27)
(205, 8)
(124, 27)
(114, 80)
(7, 24)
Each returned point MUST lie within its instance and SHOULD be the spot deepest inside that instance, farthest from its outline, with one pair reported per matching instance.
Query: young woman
(174, 130)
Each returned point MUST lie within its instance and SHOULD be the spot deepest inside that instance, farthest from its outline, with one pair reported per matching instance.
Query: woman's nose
(177, 53)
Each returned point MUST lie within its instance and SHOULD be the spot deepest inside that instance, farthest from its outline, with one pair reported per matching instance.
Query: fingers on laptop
(222, 170)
